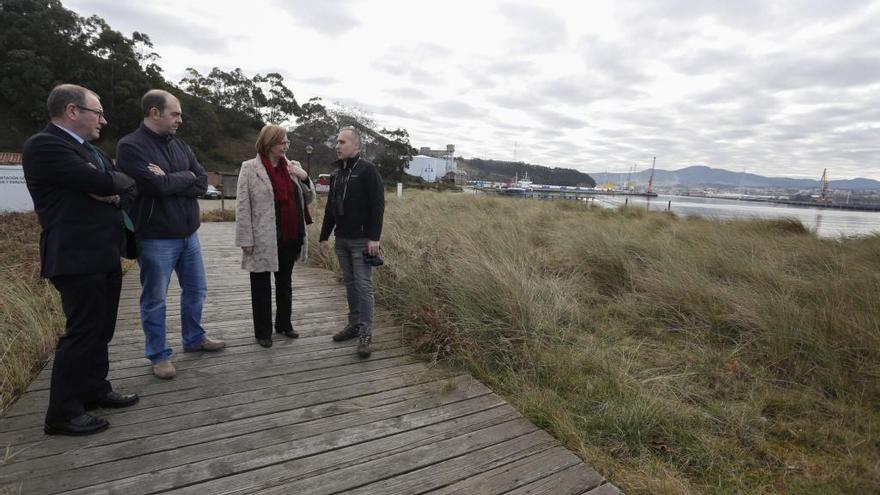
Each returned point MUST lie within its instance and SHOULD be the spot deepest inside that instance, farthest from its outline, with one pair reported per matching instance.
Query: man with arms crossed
(355, 207)
(166, 216)
(78, 195)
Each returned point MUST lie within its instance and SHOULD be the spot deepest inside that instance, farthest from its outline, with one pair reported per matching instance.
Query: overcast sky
(774, 88)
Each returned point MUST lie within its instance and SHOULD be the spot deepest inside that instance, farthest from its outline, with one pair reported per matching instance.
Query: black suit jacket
(81, 235)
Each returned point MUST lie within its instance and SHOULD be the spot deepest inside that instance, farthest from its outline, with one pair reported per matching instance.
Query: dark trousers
(261, 294)
(79, 373)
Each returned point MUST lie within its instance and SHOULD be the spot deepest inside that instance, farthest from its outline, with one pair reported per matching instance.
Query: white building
(432, 165)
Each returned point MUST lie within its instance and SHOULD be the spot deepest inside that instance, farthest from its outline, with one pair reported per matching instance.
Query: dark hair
(154, 98)
(66, 94)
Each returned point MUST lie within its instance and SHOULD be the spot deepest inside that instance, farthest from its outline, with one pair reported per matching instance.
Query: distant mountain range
(702, 176)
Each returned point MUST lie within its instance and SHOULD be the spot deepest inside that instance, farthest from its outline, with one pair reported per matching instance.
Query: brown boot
(164, 370)
(207, 345)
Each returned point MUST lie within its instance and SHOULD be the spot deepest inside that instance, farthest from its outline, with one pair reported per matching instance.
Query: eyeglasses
(99, 113)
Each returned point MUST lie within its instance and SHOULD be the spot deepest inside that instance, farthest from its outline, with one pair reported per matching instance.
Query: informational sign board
(14, 195)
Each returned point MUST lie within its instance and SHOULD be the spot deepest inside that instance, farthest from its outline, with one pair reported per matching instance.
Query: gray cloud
(319, 81)
(500, 124)
(408, 93)
(393, 111)
(518, 101)
(162, 28)
(538, 30)
(839, 70)
(747, 15)
(516, 68)
(571, 90)
(707, 61)
(415, 74)
(615, 62)
(330, 17)
(456, 109)
(557, 120)
(774, 87)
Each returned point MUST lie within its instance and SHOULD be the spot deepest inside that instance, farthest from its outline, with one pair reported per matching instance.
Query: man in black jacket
(78, 194)
(355, 207)
(166, 216)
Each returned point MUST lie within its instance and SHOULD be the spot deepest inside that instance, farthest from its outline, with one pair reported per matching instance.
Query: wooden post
(399, 189)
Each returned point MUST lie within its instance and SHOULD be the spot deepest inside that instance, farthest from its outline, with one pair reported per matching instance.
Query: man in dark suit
(78, 195)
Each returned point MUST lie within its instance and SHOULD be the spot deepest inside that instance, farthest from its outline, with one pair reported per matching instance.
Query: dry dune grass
(676, 355)
(30, 310)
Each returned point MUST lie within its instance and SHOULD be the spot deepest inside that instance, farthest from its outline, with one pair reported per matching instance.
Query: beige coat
(255, 217)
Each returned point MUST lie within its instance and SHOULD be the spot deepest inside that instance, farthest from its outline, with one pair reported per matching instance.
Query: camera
(373, 260)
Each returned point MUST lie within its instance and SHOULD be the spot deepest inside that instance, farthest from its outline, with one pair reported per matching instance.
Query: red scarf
(283, 188)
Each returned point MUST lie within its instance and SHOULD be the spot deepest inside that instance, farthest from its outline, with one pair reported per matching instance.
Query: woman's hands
(296, 171)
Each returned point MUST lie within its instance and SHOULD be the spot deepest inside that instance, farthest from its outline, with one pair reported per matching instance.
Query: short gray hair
(354, 133)
(66, 94)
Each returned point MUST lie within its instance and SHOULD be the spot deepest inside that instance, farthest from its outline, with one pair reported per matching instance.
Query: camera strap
(348, 178)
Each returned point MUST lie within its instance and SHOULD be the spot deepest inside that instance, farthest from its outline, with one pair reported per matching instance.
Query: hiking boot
(349, 332)
(207, 345)
(365, 346)
(164, 370)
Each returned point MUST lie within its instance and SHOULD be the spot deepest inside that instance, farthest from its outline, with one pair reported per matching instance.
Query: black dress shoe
(85, 424)
(265, 342)
(290, 334)
(114, 400)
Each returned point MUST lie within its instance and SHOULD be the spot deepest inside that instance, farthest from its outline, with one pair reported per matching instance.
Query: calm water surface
(826, 222)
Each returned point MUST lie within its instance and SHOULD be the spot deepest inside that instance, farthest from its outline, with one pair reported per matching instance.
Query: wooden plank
(243, 349)
(18, 437)
(322, 451)
(201, 399)
(306, 416)
(606, 489)
(464, 466)
(148, 385)
(152, 454)
(512, 436)
(571, 481)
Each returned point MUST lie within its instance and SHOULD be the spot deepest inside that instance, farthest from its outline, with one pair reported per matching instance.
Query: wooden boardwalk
(304, 417)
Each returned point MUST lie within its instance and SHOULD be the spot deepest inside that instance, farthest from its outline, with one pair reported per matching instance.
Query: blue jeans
(358, 278)
(157, 259)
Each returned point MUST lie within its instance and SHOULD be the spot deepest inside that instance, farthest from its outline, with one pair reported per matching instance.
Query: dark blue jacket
(80, 235)
(166, 206)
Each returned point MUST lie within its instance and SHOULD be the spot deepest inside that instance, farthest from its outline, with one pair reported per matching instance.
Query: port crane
(651, 180)
(823, 188)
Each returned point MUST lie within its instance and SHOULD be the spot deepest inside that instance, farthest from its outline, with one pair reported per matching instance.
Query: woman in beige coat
(270, 228)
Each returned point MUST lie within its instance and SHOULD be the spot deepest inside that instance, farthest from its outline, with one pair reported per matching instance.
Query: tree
(316, 126)
(196, 84)
(280, 104)
(394, 154)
